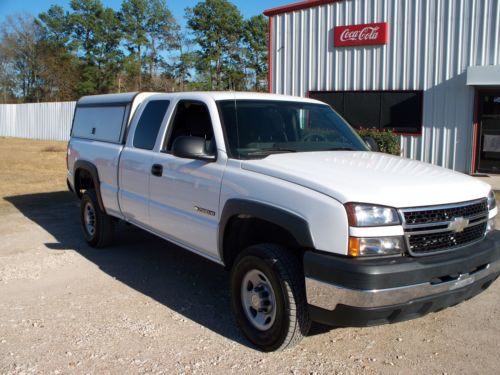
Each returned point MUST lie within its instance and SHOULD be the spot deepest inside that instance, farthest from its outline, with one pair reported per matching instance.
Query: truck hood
(371, 177)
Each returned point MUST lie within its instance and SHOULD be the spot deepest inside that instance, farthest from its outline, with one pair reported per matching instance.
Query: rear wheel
(268, 297)
(97, 226)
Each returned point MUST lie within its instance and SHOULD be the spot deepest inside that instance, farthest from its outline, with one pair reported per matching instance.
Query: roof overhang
(488, 75)
(297, 6)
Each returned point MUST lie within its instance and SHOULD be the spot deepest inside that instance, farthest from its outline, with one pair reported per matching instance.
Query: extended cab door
(136, 160)
(184, 198)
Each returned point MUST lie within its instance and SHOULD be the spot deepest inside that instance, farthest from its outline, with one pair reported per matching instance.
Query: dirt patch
(146, 306)
(54, 149)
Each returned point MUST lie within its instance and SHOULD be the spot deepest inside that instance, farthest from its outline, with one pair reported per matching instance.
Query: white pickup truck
(281, 191)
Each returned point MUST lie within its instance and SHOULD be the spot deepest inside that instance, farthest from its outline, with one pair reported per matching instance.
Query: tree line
(92, 49)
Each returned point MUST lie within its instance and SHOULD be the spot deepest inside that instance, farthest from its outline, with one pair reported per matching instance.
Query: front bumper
(356, 292)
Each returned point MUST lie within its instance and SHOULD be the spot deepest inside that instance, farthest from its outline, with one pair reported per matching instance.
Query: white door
(184, 195)
(136, 160)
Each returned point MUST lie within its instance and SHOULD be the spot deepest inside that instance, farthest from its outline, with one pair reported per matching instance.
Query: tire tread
(104, 230)
(289, 269)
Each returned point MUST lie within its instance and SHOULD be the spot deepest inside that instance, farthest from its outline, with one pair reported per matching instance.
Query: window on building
(400, 111)
(491, 105)
(149, 124)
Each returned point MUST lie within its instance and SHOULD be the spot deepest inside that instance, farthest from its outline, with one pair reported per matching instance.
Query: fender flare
(294, 224)
(92, 170)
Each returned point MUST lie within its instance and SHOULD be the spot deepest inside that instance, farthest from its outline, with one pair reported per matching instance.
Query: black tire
(102, 232)
(283, 270)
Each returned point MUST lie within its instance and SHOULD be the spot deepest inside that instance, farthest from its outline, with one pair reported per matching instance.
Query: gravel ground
(146, 306)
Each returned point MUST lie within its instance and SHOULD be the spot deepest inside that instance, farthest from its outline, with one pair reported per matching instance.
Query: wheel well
(83, 181)
(242, 231)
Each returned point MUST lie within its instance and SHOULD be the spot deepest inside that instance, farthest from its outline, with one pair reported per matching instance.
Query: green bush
(387, 141)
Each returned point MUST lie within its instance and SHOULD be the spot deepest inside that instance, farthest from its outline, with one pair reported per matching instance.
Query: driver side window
(191, 119)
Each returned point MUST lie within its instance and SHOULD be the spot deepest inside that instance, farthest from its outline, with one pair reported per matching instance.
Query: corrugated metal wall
(50, 121)
(431, 44)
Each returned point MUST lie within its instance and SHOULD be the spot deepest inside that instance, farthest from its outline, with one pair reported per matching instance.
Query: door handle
(157, 170)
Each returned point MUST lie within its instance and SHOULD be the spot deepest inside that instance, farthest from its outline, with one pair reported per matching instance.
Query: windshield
(258, 128)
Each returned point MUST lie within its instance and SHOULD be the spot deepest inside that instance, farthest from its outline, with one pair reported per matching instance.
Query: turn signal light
(375, 246)
(353, 247)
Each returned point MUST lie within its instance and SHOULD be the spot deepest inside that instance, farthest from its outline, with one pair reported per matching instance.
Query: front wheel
(268, 297)
(97, 226)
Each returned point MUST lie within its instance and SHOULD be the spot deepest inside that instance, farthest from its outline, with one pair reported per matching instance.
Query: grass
(29, 166)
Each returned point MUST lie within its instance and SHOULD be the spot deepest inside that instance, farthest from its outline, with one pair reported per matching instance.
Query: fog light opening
(490, 225)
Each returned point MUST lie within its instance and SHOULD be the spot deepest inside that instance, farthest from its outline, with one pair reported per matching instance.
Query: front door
(489, 132)
(184, 197)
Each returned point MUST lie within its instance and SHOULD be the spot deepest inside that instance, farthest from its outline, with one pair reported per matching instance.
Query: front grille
(429, 230)
(445, 213)
(427, 243)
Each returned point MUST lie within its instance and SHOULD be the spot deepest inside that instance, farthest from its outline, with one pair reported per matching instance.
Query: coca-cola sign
(360, 35)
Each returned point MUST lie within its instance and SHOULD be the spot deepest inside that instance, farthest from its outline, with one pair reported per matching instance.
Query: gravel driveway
(146, 306)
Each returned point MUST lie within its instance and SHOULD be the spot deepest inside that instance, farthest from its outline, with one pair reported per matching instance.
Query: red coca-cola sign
(360, 35)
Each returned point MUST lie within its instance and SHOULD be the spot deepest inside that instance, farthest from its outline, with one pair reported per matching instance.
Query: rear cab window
(149, 124)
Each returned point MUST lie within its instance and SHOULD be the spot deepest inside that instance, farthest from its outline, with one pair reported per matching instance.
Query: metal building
(429, 69)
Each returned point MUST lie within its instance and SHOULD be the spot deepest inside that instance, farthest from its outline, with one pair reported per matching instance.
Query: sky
(248, 8)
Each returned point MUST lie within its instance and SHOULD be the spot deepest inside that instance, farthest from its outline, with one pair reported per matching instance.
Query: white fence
(50, 121)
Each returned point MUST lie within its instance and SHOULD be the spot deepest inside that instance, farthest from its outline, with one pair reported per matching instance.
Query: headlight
(375, 246)
(492, 202)
(366, 215)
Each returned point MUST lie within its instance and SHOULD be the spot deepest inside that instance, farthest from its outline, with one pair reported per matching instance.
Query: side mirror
(189, 147)
(372, 144)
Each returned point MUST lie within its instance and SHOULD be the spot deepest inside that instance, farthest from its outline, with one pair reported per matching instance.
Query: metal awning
(488, 75)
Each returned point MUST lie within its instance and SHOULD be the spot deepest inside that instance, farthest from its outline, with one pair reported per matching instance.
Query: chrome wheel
(89, 218)
(258, 300)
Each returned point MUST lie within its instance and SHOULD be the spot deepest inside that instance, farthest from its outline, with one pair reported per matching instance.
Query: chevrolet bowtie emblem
(458, 224)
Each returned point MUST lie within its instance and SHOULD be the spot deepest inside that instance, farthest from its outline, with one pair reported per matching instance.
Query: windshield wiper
(341, 149)
(272, 150)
